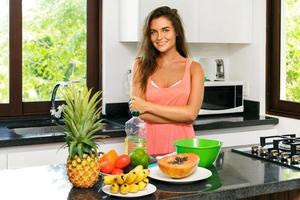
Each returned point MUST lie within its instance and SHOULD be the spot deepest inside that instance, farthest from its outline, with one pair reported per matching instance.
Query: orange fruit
(110, 156)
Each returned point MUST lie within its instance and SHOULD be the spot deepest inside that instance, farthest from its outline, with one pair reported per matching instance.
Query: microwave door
(219, 100)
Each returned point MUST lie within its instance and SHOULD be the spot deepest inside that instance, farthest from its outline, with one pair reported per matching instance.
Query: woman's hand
(138, 104)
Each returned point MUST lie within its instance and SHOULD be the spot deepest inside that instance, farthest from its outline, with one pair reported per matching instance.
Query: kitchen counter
(234, 176)
(44, 133)
(114, 127)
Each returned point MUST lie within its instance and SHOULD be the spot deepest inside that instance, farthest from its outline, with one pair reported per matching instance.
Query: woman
(167, 86)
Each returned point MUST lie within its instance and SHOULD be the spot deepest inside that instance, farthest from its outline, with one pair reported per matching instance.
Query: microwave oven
(222, 97)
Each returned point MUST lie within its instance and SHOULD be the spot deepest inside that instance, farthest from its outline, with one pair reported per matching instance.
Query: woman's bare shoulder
(196, 68)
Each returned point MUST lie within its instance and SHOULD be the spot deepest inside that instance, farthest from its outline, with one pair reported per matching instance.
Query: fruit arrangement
(112, 163)
(179, 166)
(132, 182)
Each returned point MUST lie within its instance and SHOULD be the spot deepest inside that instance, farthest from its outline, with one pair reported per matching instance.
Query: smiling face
(162, 34)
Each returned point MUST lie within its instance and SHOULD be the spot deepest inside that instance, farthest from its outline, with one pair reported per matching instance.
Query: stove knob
(264, 152)
(274, 154)
(295, 159)
(254, 149)
(284, 157)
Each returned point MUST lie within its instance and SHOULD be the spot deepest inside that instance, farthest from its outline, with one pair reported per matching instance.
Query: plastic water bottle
(135, 129)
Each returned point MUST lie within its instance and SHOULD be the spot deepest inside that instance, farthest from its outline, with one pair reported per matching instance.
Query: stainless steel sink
(40, 131)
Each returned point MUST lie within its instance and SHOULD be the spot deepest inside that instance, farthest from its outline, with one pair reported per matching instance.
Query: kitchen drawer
(36, 155)
(3, 161)
(45, 154)
(238, 136)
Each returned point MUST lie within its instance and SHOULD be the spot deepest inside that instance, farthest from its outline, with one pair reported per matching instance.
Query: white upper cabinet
(205, 21)
(225, 21)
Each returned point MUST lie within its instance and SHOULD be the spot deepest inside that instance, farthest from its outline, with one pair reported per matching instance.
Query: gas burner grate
(287, 142)
(280, 149)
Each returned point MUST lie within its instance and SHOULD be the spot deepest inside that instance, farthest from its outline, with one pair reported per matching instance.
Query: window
(283, 58)
(4, 61)
(44, 42)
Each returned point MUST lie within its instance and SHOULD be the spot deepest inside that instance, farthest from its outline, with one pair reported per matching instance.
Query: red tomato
(122, 161)
(106, 166)
(117, 171)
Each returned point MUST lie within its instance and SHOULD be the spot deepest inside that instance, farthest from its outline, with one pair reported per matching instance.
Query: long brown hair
(147, 53)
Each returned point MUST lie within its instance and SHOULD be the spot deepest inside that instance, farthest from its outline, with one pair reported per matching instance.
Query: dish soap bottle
(135, 129)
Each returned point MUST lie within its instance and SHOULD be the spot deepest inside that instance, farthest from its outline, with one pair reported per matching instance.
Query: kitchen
(244, 61)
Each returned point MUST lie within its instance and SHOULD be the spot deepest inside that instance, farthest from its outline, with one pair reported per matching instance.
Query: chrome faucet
(56, 112)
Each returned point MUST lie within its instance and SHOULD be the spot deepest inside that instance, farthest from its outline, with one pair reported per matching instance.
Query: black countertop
(113, 127)
(234, 176)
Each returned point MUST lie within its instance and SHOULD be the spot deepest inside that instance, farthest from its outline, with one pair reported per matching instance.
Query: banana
(142, 175)
(132, 182)
(146, 180)
(134, 187)
(124, 189)
(108, 180)
(142, 185)
(121, 179)
(138, 169)
(130, 177)
(114, 188)
(147, 172)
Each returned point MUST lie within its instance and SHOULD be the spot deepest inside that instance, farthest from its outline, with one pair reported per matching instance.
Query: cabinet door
(3, 161)
(129, 20)
(36, 155)
(46, 154)
(238, 136)
(204, 21)
(225, 21)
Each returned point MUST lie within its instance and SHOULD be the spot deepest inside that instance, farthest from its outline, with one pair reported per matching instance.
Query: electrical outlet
(246, 89)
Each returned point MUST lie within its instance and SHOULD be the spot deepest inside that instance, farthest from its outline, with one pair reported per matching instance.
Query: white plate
(148, 190)
(105, 174)
(200, 174)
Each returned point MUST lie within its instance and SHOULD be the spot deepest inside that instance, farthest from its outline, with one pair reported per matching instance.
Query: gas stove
(280, 149)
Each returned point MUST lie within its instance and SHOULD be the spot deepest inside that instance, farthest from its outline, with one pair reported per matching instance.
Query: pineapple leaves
(90, 143)
(72, 149)
(82, 118)
(80, 150)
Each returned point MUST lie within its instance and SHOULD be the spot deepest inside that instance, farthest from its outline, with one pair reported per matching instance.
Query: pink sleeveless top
(160, 137)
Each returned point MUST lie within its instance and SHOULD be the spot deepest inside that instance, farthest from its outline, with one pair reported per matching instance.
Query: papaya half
(179, 166)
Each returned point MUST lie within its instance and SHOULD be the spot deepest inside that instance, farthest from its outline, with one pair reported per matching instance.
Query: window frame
(17, 108)
(274, 105)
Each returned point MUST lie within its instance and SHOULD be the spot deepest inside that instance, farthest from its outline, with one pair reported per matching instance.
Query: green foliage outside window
(4, 51)
(293, 50)
(54, 47)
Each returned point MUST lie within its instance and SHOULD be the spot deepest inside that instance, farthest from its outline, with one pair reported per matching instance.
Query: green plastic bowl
(207, 150)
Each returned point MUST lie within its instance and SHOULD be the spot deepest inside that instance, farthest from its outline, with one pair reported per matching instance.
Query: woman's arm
(183, 114)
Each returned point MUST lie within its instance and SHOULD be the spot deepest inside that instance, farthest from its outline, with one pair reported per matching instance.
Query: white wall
(117, 57)
(246, 61)
(288, 125)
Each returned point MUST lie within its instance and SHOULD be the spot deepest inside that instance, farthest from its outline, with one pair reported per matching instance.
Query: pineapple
(81, 116)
